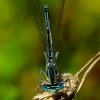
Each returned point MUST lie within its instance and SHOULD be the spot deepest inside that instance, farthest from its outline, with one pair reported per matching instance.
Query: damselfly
(51, 68)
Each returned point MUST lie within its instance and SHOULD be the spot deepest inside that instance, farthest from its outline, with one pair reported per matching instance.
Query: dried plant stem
(79, 72)
(95, 59)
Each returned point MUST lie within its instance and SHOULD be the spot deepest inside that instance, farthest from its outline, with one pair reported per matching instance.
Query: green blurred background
(21, 51)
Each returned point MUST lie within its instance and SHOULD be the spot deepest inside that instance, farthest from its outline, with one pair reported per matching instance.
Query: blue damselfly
(50, 56)
(51, 68)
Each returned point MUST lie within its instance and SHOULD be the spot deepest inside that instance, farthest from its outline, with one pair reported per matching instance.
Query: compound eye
(44, 87)
(61, 85)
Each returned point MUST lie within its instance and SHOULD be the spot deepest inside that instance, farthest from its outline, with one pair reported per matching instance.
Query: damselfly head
(52, 88)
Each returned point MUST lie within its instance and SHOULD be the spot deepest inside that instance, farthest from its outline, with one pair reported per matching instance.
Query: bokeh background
(21, 51)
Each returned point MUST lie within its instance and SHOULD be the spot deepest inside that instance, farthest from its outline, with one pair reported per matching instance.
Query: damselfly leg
(40, 80)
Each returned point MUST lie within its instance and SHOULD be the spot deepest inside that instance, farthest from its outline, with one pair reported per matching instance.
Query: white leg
(39, 80)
